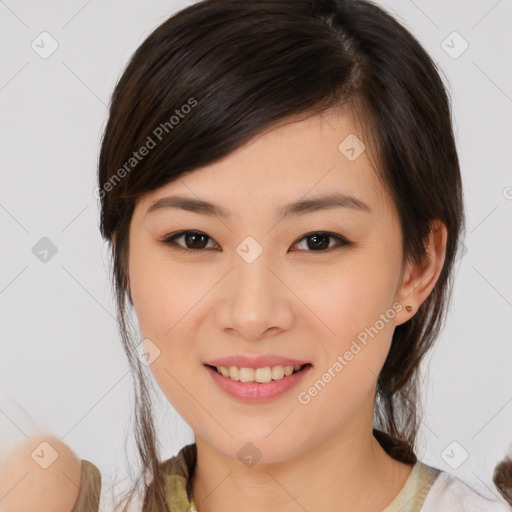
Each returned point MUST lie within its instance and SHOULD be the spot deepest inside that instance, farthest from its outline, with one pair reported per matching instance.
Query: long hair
(219, 72)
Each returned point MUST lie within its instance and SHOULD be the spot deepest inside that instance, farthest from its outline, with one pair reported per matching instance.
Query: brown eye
(320, 241)
(193, 240)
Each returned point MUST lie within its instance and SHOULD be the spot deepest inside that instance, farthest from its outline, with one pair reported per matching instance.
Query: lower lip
(257, 392)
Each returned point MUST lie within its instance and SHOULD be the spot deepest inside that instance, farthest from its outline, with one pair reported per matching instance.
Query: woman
(280, 187)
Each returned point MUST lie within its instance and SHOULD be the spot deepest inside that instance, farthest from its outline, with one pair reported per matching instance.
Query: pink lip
(257, 392)
(254, 362)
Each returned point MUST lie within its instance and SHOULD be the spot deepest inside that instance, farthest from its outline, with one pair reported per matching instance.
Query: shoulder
(451, 494)
(90, 488)
(176, 475)
(41, 473)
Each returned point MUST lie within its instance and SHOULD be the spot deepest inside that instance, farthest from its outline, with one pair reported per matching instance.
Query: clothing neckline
(411, 496)
(179, 470)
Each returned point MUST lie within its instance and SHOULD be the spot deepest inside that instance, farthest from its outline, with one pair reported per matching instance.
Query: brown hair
(502, 477)
(242, 66)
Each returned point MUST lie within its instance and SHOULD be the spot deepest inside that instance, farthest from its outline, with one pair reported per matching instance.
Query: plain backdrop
(62, 367)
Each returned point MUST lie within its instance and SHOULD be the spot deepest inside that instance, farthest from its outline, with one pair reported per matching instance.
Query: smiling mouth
(258, 375)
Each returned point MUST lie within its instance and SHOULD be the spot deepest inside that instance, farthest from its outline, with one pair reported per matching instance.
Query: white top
(451, 494)
(430, 489)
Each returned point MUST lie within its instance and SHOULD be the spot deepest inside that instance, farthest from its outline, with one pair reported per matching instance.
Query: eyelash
(170, 241)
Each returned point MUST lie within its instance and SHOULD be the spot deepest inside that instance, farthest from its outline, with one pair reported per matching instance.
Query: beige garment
(90, 488)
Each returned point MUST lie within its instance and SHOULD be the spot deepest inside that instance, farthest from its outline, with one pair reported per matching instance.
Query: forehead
(300, 157)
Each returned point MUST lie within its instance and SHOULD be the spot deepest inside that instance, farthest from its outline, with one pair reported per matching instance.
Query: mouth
(258, 375)
(257, 385)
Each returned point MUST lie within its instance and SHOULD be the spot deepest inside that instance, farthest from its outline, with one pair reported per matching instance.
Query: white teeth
(262, 375)
(277, 372)
(245, 374)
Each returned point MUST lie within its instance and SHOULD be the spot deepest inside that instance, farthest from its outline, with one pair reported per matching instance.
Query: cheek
(164, 297)
(354, 306)
(351, 297)
(162, 292)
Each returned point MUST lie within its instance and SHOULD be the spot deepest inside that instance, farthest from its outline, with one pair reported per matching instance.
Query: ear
(419, 279)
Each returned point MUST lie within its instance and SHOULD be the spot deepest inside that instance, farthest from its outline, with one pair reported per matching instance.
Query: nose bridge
(251, 263)
(253, 287)
(256, 299)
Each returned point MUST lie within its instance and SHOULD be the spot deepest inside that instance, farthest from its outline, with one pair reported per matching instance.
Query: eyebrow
(334, 200)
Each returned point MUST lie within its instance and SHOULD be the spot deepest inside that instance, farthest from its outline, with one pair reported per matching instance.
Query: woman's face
(254, 283)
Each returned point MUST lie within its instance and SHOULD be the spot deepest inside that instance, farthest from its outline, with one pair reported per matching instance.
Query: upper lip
(254, 362)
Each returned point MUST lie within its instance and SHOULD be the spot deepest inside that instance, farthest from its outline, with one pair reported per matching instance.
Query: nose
(255, 302)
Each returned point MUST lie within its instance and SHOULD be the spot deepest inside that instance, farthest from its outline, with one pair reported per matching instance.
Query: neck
(349, 471)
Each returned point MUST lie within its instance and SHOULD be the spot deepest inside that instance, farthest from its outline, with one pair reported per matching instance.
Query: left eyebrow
(334, 200)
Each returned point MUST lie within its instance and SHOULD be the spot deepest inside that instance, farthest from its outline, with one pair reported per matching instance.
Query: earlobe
(420, 278)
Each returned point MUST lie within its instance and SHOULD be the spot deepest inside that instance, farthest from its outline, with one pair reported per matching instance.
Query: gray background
(62, 367)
